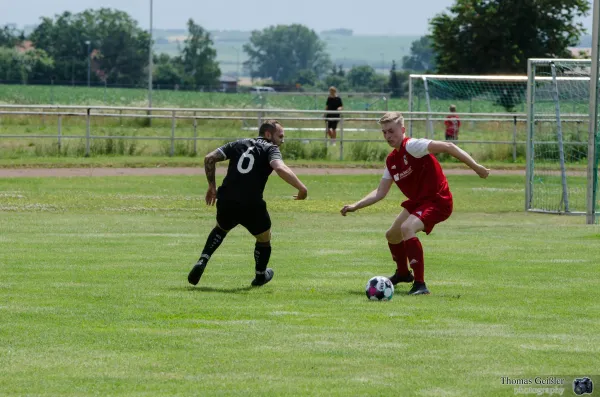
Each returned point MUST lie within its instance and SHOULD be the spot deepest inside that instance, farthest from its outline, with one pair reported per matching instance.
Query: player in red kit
(452, 124)
(415, 170)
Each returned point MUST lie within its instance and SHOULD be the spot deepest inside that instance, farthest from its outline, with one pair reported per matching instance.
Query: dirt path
(68, 172)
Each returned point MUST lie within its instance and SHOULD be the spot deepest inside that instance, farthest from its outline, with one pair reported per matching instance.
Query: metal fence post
(341, 138)
(195, 135)
(260, 114)
(471, 111)
(59, 133)
(87, 133)
(172, 134)
(515, 139)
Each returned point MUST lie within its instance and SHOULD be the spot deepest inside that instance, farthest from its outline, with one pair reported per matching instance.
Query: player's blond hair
(392, 117)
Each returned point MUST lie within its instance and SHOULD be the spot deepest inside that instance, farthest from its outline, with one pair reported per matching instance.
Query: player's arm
(210, 168)
(435, 147)
(371, 198)
(288, 175)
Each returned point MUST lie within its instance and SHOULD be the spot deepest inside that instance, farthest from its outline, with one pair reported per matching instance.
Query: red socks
(414, 252)
(399, 256)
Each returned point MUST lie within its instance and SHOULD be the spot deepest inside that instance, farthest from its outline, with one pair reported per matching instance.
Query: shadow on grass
(404, 294)
(221, 290)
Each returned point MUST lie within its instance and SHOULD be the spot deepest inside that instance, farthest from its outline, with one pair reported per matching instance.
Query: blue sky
(392, 17)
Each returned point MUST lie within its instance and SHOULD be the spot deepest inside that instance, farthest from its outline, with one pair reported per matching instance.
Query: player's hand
(301, 194)
(482, 171)
(211, 195)
(346, 209)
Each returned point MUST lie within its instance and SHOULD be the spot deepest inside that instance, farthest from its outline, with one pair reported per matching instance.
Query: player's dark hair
(268, 125)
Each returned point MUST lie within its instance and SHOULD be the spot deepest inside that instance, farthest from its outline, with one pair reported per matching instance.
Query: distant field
(78, 95)
(95, 299)
(377, 51)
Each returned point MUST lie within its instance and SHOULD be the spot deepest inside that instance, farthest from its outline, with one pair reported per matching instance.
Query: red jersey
(417, 172)
(452, 124)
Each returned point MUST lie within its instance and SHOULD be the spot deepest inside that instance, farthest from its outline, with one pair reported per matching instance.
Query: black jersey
(333, 103)
(249, 168)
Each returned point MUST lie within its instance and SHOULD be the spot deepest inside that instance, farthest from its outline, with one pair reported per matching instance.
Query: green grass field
(94, 298)
(112, 96)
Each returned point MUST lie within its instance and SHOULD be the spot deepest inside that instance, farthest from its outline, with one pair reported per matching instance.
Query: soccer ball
(379, 288)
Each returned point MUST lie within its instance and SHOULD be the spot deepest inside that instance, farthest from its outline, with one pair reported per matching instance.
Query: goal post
(593, 126)
(558, 92)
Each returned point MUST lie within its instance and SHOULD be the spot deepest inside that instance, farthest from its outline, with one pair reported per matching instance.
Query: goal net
(495, 96)
(557, 135)
(470, 94)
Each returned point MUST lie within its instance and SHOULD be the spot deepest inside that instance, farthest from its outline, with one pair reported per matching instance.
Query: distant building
(24, 46)
(228, 84)
(580, 52)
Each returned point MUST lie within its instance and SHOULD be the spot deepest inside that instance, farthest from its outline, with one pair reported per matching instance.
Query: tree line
(470, 37)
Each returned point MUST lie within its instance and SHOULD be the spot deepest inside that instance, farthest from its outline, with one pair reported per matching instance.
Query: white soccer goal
(556, 97)
(470, 93)
(593, 204)
(557, 150)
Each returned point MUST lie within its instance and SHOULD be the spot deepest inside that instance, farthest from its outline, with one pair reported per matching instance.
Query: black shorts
(253, 216)
(332, 124)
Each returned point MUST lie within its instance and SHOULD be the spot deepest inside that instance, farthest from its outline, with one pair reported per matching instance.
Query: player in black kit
(240, 198)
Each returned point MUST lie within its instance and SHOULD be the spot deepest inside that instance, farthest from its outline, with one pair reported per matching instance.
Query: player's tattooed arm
(210, 165)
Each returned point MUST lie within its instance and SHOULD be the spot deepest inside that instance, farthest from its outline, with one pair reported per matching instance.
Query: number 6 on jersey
(250, 157)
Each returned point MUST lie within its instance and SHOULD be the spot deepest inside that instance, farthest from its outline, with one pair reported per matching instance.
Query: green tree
(167, 71)
(335, 78)
(421, 56)
(281, 52)
(24, 66)
(10, 36)
(120, 48)
(394, 82)
(306, 78)
(198, 57)
(498, 36)
(364, 78)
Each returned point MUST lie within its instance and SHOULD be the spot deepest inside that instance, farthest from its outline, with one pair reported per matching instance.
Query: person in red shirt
(452, 124)
(415, 170)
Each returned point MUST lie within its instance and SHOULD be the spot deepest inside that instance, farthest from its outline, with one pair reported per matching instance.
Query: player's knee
(407, 229)
(263, 237)
(393, 236)
(221, 229)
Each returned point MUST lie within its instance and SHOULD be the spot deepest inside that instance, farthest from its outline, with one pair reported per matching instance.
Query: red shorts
(429, 212)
